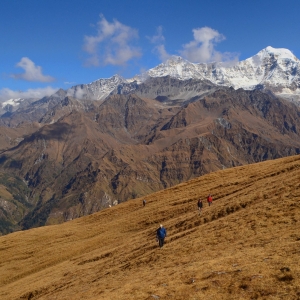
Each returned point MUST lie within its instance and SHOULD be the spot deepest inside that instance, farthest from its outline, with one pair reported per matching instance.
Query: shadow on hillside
(56, 131)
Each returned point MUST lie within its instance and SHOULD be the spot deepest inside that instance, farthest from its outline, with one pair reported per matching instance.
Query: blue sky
(46, 45)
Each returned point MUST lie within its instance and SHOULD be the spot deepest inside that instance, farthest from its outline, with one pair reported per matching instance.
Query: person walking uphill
(209, 200)
(161, 233)
(200, 205)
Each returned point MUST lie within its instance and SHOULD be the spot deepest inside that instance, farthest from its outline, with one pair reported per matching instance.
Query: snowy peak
(176, 67)
(176, 60)
(277, 69)
(279, 53)
(96, 90)
(114, 79)
(271, 67)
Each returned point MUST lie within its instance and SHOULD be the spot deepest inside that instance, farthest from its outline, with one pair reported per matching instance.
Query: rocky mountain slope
(244, 246)
(88, 155)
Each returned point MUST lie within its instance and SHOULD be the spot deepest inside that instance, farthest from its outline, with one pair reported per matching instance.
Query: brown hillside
(245, 246)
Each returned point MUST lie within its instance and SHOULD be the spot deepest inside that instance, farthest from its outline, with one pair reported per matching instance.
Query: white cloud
(159, 40)
(32, 72)
(202, 48)
(6, 94)
(162, 53)
(112, 45)
(77, 93)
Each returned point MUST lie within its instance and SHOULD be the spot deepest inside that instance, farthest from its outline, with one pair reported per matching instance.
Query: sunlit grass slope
(245, 246)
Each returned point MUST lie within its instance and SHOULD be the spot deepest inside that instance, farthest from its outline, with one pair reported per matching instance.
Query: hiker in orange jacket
(209, 200)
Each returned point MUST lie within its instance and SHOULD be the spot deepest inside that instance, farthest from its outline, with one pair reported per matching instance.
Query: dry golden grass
(245, 246)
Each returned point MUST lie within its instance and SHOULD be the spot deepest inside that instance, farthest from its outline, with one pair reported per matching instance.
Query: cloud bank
(112, 45)
(6, 94)
(31, 71)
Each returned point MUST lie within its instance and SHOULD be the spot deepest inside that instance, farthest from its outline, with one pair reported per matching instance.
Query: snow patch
(12, 102)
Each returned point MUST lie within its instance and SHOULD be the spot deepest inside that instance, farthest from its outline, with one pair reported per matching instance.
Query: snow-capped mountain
(274, 69)
(277, 68)
(97, 90)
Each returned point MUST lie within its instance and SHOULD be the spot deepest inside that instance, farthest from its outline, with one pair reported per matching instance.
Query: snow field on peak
(12, 102)
(282, 53)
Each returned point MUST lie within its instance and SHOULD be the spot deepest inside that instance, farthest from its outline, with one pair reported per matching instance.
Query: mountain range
(97, 145)
(275, 69)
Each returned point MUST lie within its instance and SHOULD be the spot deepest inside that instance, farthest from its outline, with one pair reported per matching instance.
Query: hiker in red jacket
(209, 199)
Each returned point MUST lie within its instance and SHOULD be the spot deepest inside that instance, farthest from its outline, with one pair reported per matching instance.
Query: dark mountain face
(167, 90)
(86, 155)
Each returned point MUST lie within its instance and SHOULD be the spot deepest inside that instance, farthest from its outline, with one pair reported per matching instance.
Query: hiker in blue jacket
(161, 233)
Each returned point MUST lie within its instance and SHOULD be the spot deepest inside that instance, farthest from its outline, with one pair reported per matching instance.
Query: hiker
(144, 202)
(209, 200)
(161, 233)
(200, 205)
